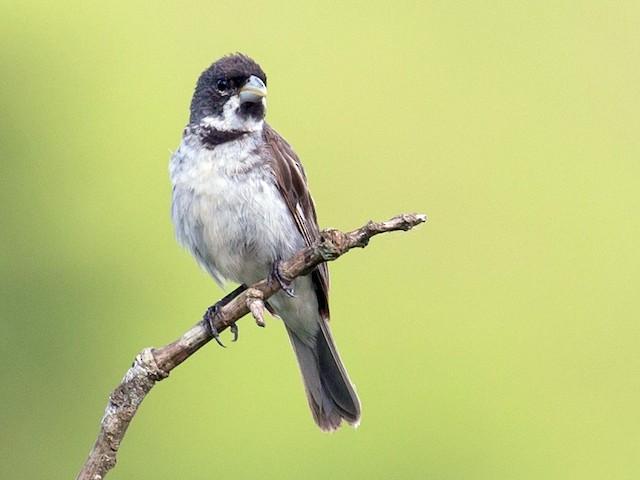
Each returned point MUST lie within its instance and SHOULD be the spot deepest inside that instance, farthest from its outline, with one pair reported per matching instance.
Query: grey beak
(253, 91)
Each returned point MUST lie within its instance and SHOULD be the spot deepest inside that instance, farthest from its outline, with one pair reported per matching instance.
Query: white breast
(227, 209)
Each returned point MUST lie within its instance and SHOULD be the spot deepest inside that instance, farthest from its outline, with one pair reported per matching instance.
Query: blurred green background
(500, 340)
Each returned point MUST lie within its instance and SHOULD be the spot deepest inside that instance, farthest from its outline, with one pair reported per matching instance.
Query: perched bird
(241, 204)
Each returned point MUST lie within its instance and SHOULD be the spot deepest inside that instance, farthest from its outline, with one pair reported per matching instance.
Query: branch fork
(255, 303)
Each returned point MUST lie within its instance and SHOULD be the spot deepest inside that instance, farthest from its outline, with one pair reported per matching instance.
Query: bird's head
(231, 95)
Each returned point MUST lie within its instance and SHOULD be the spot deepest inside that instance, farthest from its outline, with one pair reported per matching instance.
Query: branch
(154, 364)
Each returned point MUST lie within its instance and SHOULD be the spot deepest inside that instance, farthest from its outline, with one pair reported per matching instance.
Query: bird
(241, 204)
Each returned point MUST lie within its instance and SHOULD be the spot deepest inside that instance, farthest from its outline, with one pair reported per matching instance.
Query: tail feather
(330, 393)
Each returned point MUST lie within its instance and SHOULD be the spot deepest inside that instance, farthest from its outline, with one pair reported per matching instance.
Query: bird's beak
(253, 91)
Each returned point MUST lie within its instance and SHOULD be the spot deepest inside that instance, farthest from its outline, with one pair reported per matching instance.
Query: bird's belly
(237, 226)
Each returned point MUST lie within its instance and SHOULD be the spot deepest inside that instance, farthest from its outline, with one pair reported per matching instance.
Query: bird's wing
(292, 183)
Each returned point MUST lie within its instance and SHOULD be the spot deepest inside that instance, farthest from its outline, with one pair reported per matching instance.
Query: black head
(225, 80)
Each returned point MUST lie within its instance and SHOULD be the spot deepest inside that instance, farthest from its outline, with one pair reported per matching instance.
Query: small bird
(241, 204)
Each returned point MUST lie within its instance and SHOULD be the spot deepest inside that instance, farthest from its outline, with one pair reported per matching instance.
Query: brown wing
(292, 183)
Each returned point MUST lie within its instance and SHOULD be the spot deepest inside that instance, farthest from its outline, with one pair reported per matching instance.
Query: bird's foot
(210, 315)
(276, 275)
(209, 322)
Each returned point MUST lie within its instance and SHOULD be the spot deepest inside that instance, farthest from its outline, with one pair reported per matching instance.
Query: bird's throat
(211, 137)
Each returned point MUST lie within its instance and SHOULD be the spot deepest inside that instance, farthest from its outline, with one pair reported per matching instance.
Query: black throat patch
(211, 137)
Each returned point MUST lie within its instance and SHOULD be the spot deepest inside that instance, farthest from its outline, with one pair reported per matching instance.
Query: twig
(154, 364)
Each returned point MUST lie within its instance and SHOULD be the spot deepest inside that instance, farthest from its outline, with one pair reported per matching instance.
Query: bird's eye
(221, 85)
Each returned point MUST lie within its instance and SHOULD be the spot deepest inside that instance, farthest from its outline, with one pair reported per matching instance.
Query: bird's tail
(330, 393)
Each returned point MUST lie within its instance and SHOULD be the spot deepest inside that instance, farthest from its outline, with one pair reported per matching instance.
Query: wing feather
(292, 183)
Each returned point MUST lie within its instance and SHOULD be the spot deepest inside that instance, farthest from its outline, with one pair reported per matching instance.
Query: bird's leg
(210, 314)
(276, 275)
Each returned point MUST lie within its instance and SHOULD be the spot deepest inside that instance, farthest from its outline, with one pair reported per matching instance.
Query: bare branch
(154, 364)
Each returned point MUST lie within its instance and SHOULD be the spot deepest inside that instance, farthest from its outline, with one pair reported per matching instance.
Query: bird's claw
(213, 310)
(234, 329)
(209, 323)
(275, 274)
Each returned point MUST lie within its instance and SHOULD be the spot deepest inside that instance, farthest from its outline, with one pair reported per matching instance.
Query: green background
(500, 340)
